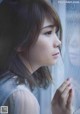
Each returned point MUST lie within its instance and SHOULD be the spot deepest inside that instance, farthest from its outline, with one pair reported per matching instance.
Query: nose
(56, 42)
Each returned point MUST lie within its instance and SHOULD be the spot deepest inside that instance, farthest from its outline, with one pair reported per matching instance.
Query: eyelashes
(48, 33)
(51, 31)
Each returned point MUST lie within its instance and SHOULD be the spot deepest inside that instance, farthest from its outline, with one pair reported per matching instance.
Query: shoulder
(22, 101)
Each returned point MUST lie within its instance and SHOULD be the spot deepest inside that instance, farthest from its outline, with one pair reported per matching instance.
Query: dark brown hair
(20, 23)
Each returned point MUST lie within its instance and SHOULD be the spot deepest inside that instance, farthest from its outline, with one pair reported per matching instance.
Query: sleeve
(21, 102)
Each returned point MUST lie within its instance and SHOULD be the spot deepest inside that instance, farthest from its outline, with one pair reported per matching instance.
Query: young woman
(30, 30)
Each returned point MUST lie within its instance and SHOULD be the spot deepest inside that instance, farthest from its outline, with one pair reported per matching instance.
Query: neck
(30, 66)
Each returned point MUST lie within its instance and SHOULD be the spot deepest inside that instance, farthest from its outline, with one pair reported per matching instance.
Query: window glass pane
(69, 12)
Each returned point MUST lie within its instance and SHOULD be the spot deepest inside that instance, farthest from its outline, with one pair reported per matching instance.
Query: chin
(52, 62)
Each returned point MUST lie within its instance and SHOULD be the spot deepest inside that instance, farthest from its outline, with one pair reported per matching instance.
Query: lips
(56, 54)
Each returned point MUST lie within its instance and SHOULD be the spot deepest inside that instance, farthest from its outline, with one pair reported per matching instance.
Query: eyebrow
(49, 26)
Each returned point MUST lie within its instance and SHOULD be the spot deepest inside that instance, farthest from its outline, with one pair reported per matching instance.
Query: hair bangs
(50, 13)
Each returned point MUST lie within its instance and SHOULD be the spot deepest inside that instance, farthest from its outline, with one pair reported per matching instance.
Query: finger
(65, 94)
(66, 91)
(70, 98)
(61, 89)
(64, 85)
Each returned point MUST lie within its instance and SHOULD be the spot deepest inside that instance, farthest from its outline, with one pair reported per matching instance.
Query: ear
(19, 49)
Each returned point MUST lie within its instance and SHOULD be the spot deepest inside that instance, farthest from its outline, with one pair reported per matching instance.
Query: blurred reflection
(74, 46)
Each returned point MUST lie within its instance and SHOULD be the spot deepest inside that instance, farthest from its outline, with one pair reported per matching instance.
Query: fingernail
(68, 82)
(69, 79)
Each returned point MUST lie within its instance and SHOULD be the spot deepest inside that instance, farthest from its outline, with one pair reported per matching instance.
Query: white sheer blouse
(22, 102)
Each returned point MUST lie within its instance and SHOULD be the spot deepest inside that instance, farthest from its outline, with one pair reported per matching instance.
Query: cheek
(43, 47)
(42, 50)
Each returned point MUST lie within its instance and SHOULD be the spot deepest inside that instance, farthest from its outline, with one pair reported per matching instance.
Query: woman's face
(45, 51)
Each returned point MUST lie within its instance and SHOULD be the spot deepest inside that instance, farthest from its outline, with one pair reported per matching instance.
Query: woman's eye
(48, 33)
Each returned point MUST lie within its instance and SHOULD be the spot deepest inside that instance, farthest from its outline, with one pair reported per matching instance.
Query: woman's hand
(62, 101)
